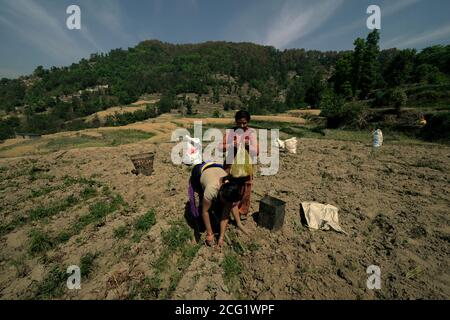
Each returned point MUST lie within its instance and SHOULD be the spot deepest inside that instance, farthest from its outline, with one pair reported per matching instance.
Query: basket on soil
(271, 213)
(143, 163)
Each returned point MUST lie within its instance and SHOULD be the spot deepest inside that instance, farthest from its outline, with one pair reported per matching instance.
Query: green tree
(357, 63)
(342, 76)
(370, 70)
(314, 90)
(399, 70)
(295, 96)
(398, 98)
(166, 102)
(39, 72)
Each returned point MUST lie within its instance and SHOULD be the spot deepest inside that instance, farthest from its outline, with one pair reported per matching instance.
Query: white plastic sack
(192, 148)
(377, 138)
(280, 143)
(321, 217)
(291, 145)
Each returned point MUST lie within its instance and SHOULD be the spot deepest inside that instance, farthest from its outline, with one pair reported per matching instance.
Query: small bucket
(271, 213)
(143, 163)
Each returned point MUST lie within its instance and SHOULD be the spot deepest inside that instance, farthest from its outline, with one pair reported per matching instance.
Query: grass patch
(97, 212)
(231, 266)
(108, 138)
(55, 208)
(70, 181)
(151, 288)
(62, 237)
(178, 234)
(87, 264)
(429, 163)
(17, 222)
(88, 192)
(253, 247)
(120, 232)
(39, 242)
(45, 211)
(188, 253)
(43, 191)
(52, 286)
(176, 241)
(119, 137)
(173, 283)
(62, 143)
(162, 262)
(145, 222)
(21, 266)
(235, 244)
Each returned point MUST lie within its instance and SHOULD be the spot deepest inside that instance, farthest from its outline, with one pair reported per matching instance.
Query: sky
(34, 32)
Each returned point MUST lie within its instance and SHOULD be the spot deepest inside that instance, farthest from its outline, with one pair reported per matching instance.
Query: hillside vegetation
(350, 87)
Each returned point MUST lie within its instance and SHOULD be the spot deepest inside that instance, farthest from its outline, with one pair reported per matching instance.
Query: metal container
(271, 213)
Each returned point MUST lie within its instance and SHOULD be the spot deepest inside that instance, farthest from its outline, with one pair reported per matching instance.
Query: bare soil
(394, 204)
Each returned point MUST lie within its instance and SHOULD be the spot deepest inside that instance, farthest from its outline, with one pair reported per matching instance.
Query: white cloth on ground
(321, 216)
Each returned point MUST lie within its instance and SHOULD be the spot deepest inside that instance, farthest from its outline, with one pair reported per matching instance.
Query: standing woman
(241, 133)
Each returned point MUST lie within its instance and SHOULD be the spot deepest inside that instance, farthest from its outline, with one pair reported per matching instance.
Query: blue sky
(34, 32)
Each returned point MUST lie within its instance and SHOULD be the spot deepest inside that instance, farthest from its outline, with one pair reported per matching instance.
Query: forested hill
(298, 76)
(154, 66)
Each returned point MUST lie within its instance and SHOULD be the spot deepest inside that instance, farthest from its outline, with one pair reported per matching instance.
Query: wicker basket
(143, 163)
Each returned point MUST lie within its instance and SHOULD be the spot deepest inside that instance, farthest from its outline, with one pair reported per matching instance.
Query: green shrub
(217, 114)
(398, 98)
(380, 99)
(339, 113)
(429, 95)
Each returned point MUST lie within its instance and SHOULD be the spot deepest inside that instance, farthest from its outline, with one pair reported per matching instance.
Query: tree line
(49, 100)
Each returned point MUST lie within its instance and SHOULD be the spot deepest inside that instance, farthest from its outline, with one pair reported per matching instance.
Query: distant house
(99, 88)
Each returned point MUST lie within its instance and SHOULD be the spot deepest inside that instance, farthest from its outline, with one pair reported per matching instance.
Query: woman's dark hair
(231, 190)
(242, 114)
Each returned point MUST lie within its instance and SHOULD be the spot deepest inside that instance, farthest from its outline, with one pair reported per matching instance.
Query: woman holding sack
(245, 138)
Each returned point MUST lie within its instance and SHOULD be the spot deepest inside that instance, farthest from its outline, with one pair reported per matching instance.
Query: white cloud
(425, 38)
(33, 24)
(396, 6)
(109, 14)
(297, 19)
(391, 8)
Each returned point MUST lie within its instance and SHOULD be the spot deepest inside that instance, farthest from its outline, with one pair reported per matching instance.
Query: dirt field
(131, 239)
